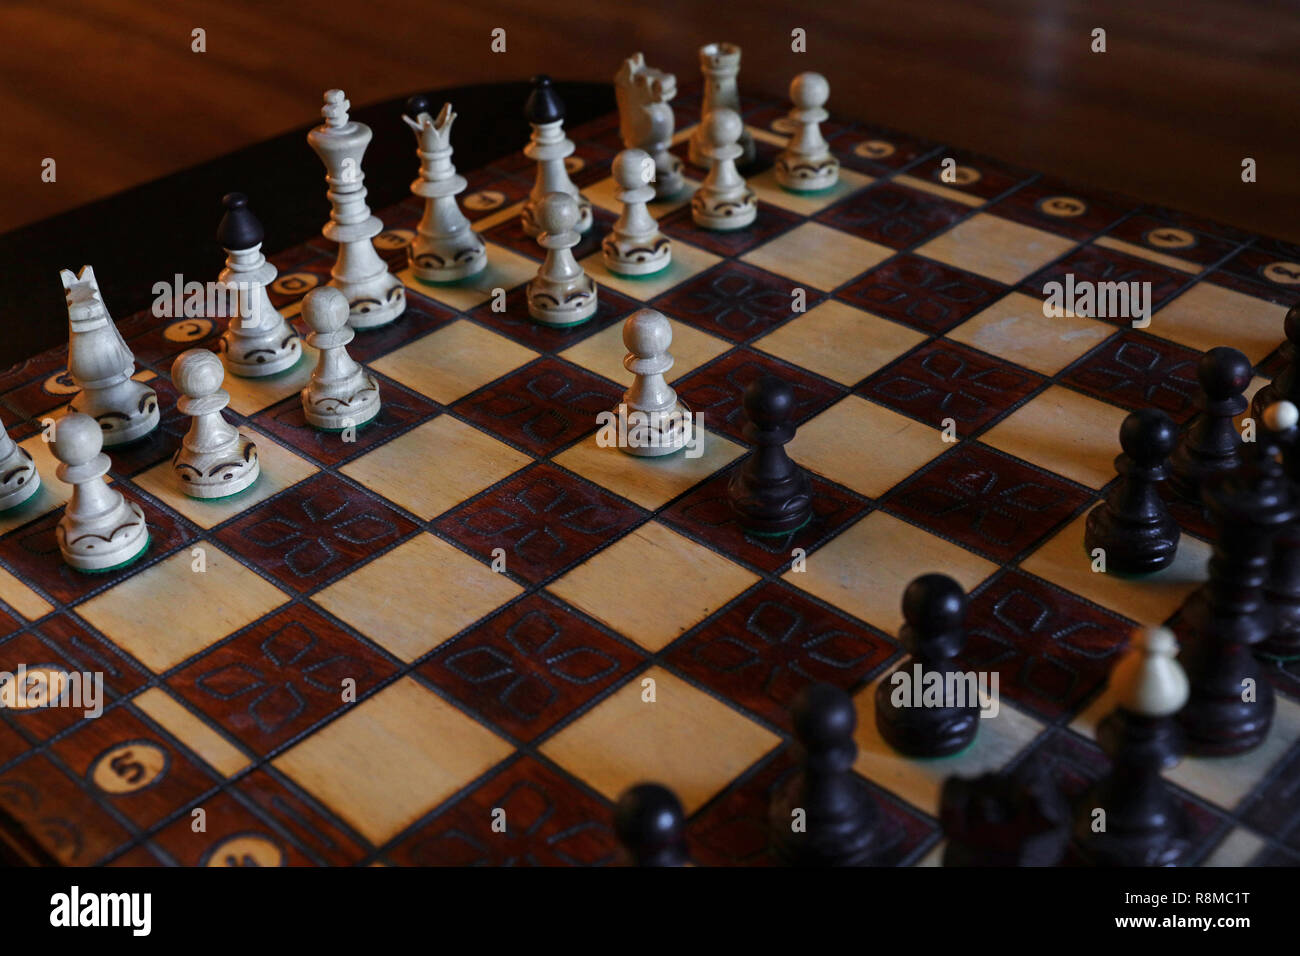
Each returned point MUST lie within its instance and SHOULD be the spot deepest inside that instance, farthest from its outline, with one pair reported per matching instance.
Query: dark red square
(990, 502)
(516, 324)
(1149, 231)
(315, 832)
(1097, 264)
(304, 275)
(234, 835)
(770, 222)
(530, 667)
(278, 679)
(510, 234)
(544, 518)
(1061, 208)
(314, 532)
(550, 821)
(994, 177)
(162, 442)
(733, 300)
(717, 390)
(921, 293)
(893, 215)
(422, 315)
(59, 814)
(896, 150)
(1137, 371)
(543, 406)
(1268, 269)
(944, 380)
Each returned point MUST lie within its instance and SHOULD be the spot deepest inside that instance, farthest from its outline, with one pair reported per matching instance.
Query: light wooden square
(1208, 315)
(22, 598)
(1150, 599)
(50, 495)
(840, 342)
(685, 739)
(453, 361)
(920, 782)
(602, 194)
(192, 730)
(392, 758)
(1238, 848)
(416, 596)
(817, 255)
(865, 446)
(865, 569)
(280, 468)
(1016, 326)
(1065, 432)
(767, 189)
(468, 460)
(603, 352)
(687, 262)
(653, 585)
(248, 396)
(504, 270)
(995, 247)
(650, 482)
(169, 612)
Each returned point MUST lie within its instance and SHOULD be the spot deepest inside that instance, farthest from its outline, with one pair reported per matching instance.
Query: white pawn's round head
(325, 309)
(1148, 679)
(77, 439)
(198, 372)
(1281, 416)
(809, 91)
(647, 333)
(633, 168)
(723, 127)
(557, 213)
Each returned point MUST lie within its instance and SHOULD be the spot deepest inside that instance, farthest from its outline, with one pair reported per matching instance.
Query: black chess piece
(239, 228)
(416, 105)
(934, 609)
(824, 815)
(1231, 706)
(1287, 384)
(1210, 446)
(651, 825)
(1282, 590)
(769, 493)
(1132, 526)
(1012, 818)
(543, 104)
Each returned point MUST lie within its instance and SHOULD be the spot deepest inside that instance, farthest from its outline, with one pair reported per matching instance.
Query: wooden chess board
(525, 689)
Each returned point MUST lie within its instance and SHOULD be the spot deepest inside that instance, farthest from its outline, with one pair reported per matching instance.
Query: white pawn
(214, 459)
(101, 365)
(806, 163)
(446, 247)
(19, 478)
(723, 201)
(561, 293)
(654, 420)
(634, 245)
(1148, 680)
(99, 529)
(258, 341)
(549, 147)
(341, 394)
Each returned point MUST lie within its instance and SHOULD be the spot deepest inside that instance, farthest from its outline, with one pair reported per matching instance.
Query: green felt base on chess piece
(810, 193)
(338, 431)
(780, 534)
(637, 277)
(148, 539)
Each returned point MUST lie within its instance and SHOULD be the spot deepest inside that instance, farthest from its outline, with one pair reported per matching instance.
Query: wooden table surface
(1187, 88)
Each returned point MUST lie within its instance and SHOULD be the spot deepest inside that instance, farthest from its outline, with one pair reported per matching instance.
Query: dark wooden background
(111, 90)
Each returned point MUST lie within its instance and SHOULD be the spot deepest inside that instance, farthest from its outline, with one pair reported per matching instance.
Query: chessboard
(530, 623)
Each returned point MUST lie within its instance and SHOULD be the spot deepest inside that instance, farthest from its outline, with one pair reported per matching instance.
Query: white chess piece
(341, 394)
(634, 245)
(655, 421)
(375, 296)
(646, 119)
(445, 247)
(101, 365)
(214, 459)
(1148, 680)
(257, 341)
(806, 163)
(561, 293)
(723, 201)
(720, 64)
(99, 529)
(19, 478)
(549, 147)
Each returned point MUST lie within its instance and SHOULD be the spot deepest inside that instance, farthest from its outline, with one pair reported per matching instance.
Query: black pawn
(1287, 384)
(239, 228)
(824, 815)
(769, 493)
(1283, 588)
(544, 104)
(934, 609)
(651, 825)
(416, 105)
(1012, 818)
(1229, 615)
(1132, 526)
(1211, 446)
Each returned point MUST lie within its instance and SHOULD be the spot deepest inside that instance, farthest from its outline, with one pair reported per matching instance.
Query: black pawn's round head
(416, 105)
(239, 228)
(769, 402)
(1291, 324)
(1223, 372)
(933, 604)
(544, 104)
(650, 823)
(823, 717)
(1148, 435)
